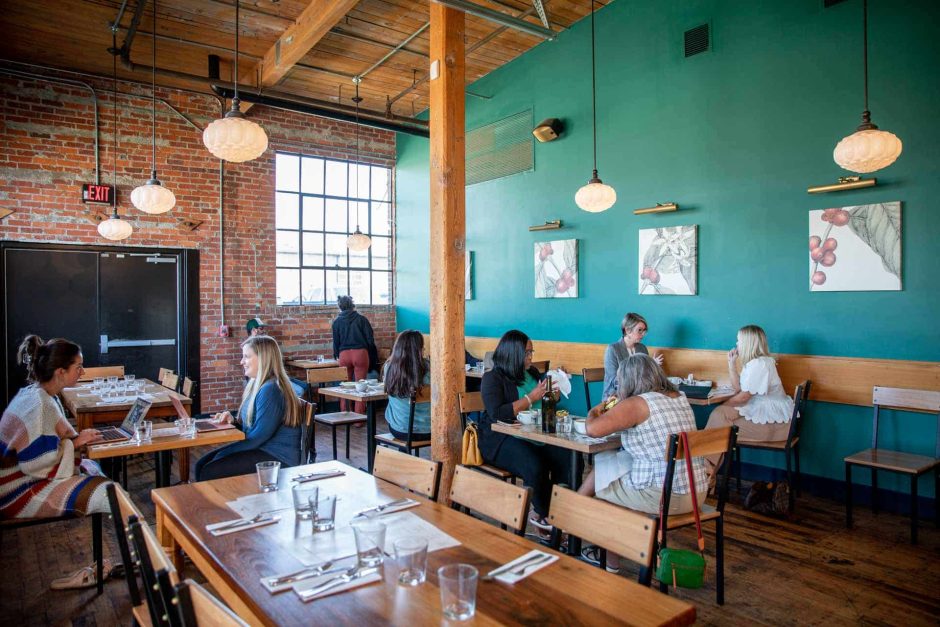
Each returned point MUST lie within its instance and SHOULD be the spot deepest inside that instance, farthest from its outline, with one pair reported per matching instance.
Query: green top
(529, 384)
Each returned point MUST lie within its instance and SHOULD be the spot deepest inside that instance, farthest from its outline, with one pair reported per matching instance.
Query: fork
(356, 572)
(381, 508)
(243, 521)
(517, 569)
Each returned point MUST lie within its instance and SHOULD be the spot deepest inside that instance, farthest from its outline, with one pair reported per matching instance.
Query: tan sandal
(81, 578)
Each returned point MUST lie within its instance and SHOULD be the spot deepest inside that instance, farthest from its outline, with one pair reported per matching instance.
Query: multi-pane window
(318, 204)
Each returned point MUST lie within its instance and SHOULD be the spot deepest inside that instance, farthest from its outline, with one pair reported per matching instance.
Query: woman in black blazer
(510, 387)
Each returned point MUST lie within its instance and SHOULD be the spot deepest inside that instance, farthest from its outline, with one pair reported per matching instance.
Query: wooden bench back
(94, 372)
(622, 531)
(504, 502)
(418, 475)
(327, 375)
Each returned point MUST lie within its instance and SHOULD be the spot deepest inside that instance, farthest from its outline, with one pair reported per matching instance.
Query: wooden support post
(448, 228)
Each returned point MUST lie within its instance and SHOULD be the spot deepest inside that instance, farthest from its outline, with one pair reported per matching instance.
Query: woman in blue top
(405, 371)
(270, 416)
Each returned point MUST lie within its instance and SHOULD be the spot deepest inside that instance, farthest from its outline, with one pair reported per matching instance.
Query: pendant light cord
(114, 136)
(865, 52)
(593, 90)
(357, 100)
(235, 100)
(153, 91)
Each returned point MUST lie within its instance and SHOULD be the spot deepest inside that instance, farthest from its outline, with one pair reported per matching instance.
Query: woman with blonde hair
(760, 408)
(270, 415)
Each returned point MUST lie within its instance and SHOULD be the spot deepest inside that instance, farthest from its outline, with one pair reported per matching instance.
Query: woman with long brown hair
(405, 371)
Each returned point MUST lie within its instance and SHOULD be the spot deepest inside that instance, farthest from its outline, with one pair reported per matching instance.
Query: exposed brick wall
(46, 151)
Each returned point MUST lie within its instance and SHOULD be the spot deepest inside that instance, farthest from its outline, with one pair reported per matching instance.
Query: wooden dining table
(90, 410)
(369, 397)
(568, 591)
(311, 364)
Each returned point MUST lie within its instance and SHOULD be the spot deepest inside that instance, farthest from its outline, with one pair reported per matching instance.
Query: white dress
(769, 403)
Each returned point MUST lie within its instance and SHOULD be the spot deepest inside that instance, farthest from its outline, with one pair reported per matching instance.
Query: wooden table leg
(183, 461)
(168, 541)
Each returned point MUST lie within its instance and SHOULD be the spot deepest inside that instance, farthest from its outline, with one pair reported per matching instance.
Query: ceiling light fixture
(152, 197)
(235, 138)
(595, 196)
(868, 149)
(358, 241)
(114, 228)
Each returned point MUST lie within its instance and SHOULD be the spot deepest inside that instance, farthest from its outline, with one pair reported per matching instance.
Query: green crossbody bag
(684, 568)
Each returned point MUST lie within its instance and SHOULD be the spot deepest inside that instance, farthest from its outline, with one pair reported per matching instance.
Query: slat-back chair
(189, 387)
(409, 445)
(504, 502)
(542, 366)
(171, 381)
(122, 508)
(161, 374)
(625, 532)
(200, 608)
(471, 402)
(308, 450)
(590, 375)
(701, 444)
(909, 464)
(93, 372)
(418, 475)
(318, 376)
(157, 573)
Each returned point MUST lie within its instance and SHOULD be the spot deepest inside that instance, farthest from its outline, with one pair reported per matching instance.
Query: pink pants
(356, 361)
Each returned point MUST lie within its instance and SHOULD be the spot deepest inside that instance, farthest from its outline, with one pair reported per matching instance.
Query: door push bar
(106, 344)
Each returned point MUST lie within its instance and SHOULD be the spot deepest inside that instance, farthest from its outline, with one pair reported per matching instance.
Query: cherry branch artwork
(669, 260)
(556, 269)
(855, 248)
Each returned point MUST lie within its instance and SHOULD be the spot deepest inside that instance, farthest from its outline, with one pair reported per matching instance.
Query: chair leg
(913, 509)
(848, 496)
(737, 457)
(874, 491)
(799, 476)
(347, 441)
(97, 551)
(334, 441)
(936, 497)
(791, 504)
(720, 559)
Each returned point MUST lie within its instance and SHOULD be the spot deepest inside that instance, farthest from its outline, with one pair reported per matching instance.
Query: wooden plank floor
(807, 571)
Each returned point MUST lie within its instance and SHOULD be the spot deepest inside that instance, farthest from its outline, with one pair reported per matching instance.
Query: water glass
(563, 424)
(411, 555)
(267, 475)
(324, 512)
(96, 384)
(143, 432)
(113, 380)
(458, 584)
(305, 500)
(185, 426)
(320, 359)
(370, 541)
(129, 379)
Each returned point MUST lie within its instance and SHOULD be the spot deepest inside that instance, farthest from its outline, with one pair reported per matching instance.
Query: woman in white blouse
(760, 408)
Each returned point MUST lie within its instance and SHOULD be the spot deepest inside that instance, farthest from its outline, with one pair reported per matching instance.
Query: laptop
(202, 424)
(137, 412)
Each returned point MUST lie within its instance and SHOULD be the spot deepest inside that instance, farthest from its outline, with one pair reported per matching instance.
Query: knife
(514, 565)
(381, 508)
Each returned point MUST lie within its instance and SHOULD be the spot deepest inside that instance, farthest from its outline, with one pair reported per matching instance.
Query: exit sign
(97, 193)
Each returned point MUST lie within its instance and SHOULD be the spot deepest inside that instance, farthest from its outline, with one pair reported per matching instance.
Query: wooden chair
(189, 387)
(702, 443)
(422, 476)
(199, 608)
(308, 450)
(473, 402)
(161, 374)
(897, 461)
(591, 375)
(504, 502)
(93, 372)
(319, 376)
(542, 366)
(625, 532)
(157, 573)
(171, 381)
(789, 446)
(409, 445)
(122, 509)
(8, 524)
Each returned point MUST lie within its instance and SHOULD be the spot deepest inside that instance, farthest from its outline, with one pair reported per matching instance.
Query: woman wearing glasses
(633, 329)
(512, 386)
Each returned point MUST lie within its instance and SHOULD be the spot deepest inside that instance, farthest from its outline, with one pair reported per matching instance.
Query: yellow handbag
(470, 454)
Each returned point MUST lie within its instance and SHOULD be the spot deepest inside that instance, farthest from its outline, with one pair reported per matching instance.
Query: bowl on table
(372, 382)
(580, 426)
(527, 416)
(362, 385)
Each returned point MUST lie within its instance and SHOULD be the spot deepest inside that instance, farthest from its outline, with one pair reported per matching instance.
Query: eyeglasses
(530, 352)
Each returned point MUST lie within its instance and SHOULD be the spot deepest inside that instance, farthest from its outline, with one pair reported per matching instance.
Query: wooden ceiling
(323, 43)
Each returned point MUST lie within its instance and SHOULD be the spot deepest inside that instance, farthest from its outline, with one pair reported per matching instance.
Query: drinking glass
(458, 583)
(320, 359)
(324, 512)
(129, 378)
(370, 541)
(143, 432)
(267, 475)
(563, 424)
(186, 426)
(305, 499)
(96, 385)
(113, 379)
(411, 555)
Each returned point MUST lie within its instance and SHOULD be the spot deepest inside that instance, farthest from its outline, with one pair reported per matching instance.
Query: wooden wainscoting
(847, 380)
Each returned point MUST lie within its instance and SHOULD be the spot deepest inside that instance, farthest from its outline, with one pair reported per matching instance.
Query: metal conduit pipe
(324, 109)
(396, 49)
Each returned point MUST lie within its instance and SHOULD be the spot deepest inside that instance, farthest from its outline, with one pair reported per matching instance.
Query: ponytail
(42, 359)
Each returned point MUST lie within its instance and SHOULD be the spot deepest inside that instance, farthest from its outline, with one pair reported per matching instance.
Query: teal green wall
(734, 136)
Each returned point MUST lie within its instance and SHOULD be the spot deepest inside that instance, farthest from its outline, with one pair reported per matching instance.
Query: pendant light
(235, 138)
(358, 241)
(595, 196)
(868, 149)
(114, 228)
(152, 197)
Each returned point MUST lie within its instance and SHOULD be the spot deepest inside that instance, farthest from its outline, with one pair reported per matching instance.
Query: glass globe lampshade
(867, 150)
(595, 196)
(358, 241)
(153, 198)
(114, 228)
(235, 138)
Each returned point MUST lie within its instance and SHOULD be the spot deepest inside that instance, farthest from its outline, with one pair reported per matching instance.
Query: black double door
(124, 307)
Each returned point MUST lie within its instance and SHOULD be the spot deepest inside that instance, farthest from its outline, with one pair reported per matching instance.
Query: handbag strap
(684, 438)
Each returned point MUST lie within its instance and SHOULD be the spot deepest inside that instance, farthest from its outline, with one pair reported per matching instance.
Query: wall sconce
(548, 130)
(548, 226)
(659, 208)
(189, 225)
(845, 182)
(5, 212)
(95, 215)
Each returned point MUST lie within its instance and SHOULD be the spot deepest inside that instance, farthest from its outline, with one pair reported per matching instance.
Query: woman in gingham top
(649, 410)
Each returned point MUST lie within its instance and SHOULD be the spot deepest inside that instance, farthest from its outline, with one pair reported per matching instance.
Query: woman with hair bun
(39, 461)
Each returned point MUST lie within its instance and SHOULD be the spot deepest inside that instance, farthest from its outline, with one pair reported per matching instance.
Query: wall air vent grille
(696, 40)
(500, 149)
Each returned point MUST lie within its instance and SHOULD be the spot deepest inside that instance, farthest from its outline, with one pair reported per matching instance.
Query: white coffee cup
(361, 385)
